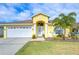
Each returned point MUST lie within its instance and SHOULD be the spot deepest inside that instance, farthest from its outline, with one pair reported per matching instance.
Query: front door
(40, 30)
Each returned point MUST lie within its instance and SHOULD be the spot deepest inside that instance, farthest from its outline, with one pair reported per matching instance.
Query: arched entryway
(40, 28)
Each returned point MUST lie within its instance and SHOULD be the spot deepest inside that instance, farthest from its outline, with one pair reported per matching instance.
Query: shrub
(57, 38)
(1, 35)
(33, 37)
(43, 35)
(73, 35)
(59, 35)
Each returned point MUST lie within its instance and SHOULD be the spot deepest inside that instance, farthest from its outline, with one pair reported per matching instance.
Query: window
(19, 27)
(23, 27)
(14, 27)
(58, 30)
(10, 27)
(28, 27)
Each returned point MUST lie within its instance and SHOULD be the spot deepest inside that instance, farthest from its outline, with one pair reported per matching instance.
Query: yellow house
(39, 25)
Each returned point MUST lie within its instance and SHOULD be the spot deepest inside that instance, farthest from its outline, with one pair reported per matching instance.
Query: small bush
(1, 35)
(33, 37)
(74, 36)
(60, 35)
(57, 38)
(43, 35)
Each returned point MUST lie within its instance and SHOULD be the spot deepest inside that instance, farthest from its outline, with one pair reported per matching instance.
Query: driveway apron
(12, 45)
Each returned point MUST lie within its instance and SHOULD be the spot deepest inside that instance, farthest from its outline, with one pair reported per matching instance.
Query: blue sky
(24, 11)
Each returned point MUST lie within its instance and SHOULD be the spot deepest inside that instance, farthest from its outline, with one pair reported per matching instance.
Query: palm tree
(65, 21)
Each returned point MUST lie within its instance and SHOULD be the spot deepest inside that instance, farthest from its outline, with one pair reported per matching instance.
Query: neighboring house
(75, 29)
(39, 25)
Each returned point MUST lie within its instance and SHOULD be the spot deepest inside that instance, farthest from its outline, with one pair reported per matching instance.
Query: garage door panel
(19, 32)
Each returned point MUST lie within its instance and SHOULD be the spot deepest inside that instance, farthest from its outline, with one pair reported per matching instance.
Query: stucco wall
(50, 30)
(41, 18)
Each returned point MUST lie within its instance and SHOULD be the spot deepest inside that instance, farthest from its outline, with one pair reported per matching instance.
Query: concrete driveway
(11, 46)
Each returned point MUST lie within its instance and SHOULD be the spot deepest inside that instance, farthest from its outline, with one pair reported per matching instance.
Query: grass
(50, 48)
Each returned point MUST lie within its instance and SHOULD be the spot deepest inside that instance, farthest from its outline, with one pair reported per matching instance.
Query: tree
(65, 21)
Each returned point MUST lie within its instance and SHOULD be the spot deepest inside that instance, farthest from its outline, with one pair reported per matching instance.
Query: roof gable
(40, 14)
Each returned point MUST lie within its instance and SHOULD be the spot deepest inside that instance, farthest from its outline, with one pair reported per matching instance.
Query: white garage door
(19, 31)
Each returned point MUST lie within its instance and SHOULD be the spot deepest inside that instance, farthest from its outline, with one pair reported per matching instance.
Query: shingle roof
(17, 22)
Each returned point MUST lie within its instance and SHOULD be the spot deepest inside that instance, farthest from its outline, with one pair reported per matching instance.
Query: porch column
(35, 28)
(5, 32)
(46, 31)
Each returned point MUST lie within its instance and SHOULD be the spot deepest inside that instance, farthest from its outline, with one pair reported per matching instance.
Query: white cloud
(10, 14)
(25, 15)
(53, 10)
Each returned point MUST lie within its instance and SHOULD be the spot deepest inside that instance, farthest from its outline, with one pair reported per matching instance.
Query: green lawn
(49, 48)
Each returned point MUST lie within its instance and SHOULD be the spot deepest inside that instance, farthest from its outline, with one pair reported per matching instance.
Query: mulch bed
(68, 40)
